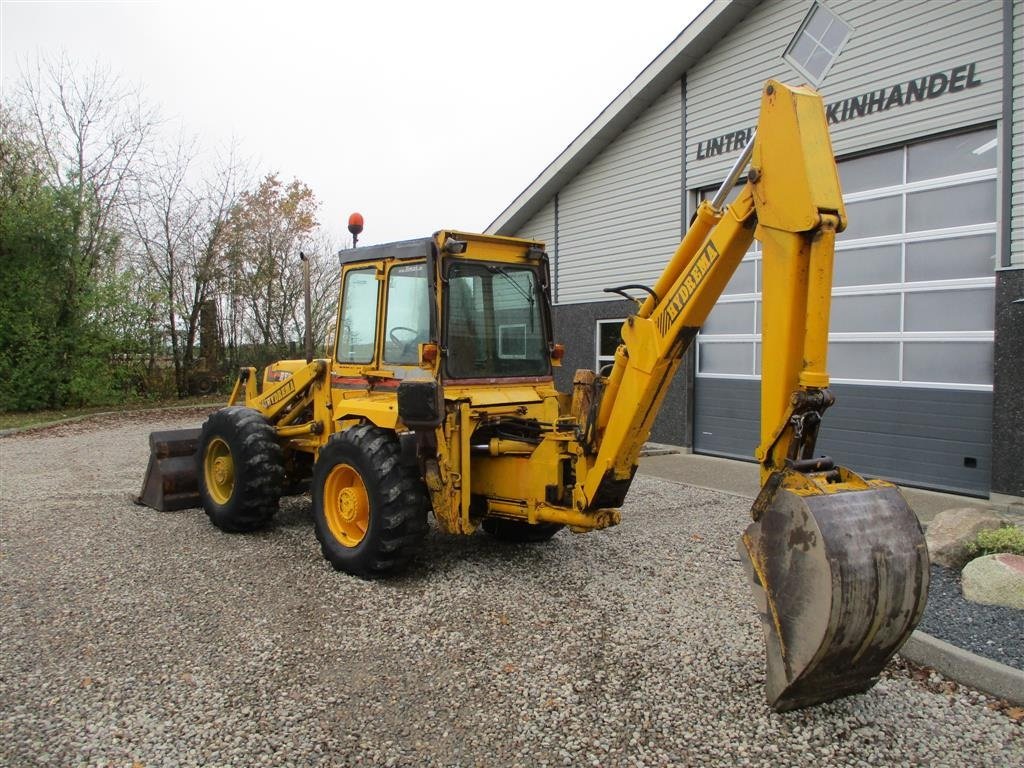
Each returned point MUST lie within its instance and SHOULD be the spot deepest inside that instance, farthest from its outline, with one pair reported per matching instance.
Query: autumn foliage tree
(180, 230)
(267, 230)
(118, 246)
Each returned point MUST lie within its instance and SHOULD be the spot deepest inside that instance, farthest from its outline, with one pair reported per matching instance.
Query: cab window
(407, 324)
(495, 321)
(358, 327)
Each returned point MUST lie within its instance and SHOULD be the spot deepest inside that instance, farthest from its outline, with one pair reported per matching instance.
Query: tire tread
(397, 498)
(259, 470)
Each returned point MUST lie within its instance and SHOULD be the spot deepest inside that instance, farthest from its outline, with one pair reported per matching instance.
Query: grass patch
(1001, 540)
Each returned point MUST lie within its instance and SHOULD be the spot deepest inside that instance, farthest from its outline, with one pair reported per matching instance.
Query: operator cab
(489, 320)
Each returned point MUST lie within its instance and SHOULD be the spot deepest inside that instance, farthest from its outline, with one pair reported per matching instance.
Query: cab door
(358, 319)
(406, 319)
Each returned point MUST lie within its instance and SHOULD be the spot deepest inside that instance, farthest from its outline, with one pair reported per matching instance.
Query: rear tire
(517, 532)
(240, 469)
(370, 512)
(203, 384)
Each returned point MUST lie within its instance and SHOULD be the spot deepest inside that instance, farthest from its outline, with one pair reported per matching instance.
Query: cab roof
(420, 248)
(403, 249)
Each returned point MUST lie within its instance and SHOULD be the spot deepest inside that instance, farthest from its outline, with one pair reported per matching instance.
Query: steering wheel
(397, 340)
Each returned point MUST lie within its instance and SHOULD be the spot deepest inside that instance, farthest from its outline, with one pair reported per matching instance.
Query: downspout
(554, 258)
(1006, 140)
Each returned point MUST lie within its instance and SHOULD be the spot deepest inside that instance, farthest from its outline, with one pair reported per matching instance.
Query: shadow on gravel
(451, 552)
(295, 512)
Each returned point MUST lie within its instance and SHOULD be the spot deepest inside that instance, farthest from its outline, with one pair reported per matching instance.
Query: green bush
(998, 541)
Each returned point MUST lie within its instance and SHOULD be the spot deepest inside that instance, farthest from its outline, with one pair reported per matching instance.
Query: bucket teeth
(840, 580)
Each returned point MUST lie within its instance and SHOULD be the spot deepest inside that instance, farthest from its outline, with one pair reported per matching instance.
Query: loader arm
(838, 564)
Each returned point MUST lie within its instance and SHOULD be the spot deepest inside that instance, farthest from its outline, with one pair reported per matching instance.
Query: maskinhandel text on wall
(899, 95)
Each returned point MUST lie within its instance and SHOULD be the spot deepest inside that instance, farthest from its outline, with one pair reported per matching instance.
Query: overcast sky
(420, 115)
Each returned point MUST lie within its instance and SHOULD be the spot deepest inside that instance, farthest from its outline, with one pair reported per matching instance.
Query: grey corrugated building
(926, 106)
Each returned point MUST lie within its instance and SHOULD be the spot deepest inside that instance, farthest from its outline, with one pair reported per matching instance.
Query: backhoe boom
(792, 203)
(838, 564)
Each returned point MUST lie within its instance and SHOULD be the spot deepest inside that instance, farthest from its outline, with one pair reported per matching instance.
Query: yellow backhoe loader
(438, 396)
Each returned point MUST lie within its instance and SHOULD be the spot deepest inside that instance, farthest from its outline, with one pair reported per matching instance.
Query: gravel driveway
(131, 637)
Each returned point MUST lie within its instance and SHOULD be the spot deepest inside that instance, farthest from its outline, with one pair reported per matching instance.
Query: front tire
(240, 469)
(370, 512)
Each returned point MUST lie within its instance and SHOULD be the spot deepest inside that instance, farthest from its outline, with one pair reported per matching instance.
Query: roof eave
(670, 65)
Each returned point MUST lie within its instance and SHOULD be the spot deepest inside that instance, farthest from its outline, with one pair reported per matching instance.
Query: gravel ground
(988, 630)
(131, 637)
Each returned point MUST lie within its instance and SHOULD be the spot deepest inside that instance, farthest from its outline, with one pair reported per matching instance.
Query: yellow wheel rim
(219, 471)
(346, 505)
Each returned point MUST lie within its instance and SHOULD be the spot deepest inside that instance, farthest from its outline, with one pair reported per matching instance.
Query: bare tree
(218, 194)
(163, 215)
(144, 216)
(181, 228)
(92, 129)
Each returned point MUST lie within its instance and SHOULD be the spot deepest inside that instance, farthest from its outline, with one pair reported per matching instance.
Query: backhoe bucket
(839, 570)
(171, 481)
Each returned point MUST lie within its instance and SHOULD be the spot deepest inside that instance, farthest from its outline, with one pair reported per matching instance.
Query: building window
(608, 339)
(913, 279)
(817, 43)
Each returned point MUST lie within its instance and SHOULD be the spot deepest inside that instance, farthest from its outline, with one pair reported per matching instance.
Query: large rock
(995, 580)
(951, 531)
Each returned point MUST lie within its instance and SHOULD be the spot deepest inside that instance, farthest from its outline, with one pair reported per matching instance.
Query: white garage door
(910, 349)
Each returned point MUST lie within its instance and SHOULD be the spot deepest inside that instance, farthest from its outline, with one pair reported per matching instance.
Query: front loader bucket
(171, 481)
(839, 569)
